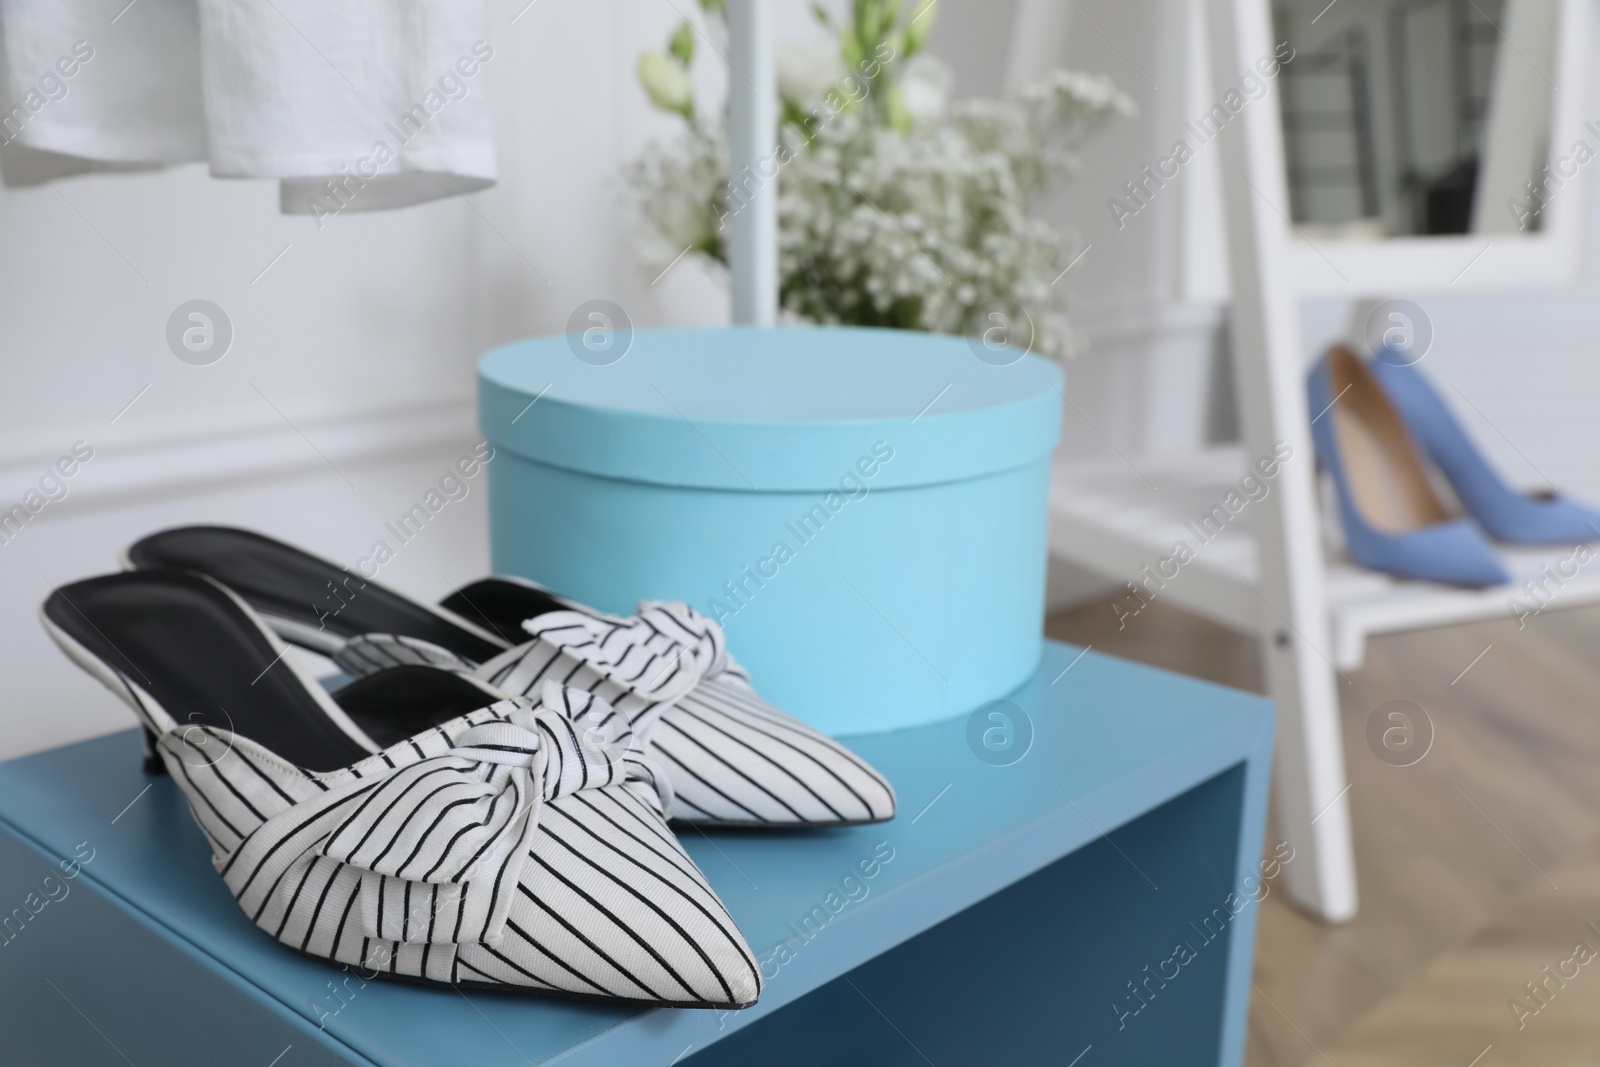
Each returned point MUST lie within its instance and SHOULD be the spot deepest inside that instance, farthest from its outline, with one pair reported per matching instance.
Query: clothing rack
(752, 164)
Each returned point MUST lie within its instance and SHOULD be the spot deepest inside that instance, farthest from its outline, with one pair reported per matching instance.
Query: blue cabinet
(1073, 873)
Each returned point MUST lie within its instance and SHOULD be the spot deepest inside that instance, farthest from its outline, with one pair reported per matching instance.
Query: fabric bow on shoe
(441, 843)
(658, 655)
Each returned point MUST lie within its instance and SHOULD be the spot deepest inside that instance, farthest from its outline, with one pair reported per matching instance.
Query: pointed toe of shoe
(611, 907)
(1581, 522)
(1453, 553)
(746, 987)
(736, 760)
(1550, 519)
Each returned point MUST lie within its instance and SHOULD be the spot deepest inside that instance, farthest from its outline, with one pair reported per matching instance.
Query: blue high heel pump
(1393, 520)
(1542, 518)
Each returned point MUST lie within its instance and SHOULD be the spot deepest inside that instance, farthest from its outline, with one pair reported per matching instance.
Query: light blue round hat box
(863, 510)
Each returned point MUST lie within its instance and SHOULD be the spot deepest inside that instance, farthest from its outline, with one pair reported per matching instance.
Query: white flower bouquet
(895, 207)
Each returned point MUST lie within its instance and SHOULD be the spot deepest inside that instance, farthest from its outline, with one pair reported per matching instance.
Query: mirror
(1408, 118)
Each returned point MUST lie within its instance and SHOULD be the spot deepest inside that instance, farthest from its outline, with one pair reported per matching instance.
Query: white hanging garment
(360, 105)
(123, 92)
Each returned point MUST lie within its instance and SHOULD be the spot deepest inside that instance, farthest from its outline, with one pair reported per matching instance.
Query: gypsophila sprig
(894, 208)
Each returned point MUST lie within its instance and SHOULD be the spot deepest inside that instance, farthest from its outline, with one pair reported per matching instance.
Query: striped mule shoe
(520, 843)
(733, 758)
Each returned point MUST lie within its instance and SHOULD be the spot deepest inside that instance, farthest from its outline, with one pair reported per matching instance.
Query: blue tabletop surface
(1110, 741)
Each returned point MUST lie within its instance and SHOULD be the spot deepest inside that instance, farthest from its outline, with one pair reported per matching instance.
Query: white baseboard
(158, 467)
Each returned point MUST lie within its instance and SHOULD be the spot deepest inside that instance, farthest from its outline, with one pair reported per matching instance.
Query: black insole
(500, 606)
(279, 579)
(186, 643)
(400, 702)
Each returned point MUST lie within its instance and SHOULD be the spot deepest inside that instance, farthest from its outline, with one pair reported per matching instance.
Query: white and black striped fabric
(732, 757)
(522, 844)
